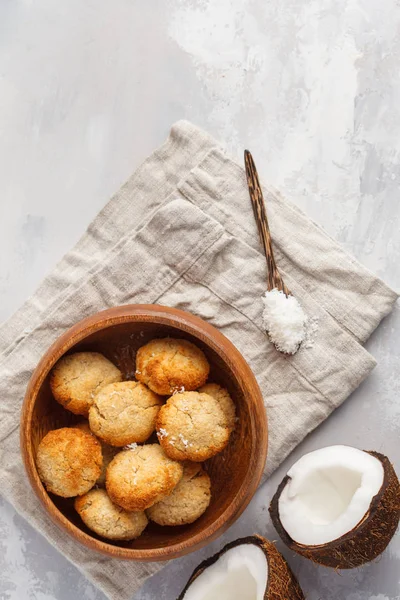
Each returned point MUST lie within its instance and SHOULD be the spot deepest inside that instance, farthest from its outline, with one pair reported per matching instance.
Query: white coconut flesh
(241, 573)
(328, 493)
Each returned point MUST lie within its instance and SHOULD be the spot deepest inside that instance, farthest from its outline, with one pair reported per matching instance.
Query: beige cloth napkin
(181, 233)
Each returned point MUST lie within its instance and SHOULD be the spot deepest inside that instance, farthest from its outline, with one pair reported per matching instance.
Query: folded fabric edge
(373, 296)
(179, 215)
(193, 144)
(377, 299)
(314, 422)
(379, 288)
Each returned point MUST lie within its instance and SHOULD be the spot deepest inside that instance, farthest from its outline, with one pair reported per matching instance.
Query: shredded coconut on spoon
(283, 317)
(284, 320)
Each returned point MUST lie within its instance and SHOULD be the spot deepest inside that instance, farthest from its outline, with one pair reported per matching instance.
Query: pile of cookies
(119, 480)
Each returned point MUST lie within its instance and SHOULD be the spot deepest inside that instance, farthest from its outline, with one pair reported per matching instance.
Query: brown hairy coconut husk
(364, 542)
(281, 583)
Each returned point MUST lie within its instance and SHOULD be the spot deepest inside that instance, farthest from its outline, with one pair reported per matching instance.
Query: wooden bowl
(235, 473)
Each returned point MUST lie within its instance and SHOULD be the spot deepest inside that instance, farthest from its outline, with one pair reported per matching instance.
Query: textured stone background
(89, 87)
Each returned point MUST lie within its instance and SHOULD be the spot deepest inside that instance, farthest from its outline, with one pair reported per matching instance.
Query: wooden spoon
(257, 199)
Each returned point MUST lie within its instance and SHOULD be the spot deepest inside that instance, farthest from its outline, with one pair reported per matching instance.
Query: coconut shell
(363, 543)
(282, 584)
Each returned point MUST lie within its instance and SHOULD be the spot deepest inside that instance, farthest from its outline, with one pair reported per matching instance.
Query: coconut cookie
(108, 520)
(124, 412)
(187, 502)
(69, 461)
(192, 426)
(77, 377)
(108, 452)
(223, 398)
(139, 477)
(169, 365)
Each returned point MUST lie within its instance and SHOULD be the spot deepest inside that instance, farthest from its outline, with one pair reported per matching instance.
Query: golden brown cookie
(138, 478)
(107, 519)
(77, 377)
(187, 502)
(69, 461)
(225, 401)
(124, 412)
(192, 426)
(169, 365)
(108, 452)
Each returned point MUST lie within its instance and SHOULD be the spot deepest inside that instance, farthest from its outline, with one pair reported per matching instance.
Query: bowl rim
(208, 334)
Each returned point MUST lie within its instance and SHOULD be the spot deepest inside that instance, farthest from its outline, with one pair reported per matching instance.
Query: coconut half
(250, 568)
(338, 506)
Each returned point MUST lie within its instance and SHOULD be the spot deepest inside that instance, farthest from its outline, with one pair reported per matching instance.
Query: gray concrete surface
(88, 88)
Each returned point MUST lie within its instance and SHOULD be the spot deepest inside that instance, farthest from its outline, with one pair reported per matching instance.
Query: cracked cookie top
(187, 502)
(69, 461)
(107, 519)
(139, 477)
(192, 426)
(123, 413)
(223, 398)
(170, 365)
(76, 379)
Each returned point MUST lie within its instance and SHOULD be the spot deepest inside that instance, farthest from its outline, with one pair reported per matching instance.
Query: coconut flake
(312, 327)
(162, 433)
(184, 442)
(131, 446)
(178, 390)
(284, 320)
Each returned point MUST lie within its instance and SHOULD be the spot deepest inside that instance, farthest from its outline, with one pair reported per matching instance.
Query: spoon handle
(257, 199)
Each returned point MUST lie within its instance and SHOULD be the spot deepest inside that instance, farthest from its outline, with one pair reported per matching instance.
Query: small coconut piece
(249, 568)
(338, 506)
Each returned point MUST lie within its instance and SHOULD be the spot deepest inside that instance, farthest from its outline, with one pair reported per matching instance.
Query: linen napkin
(181, 233)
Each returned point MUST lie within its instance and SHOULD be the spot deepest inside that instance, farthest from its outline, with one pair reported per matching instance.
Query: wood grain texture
(235, 473)
(257, 200)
